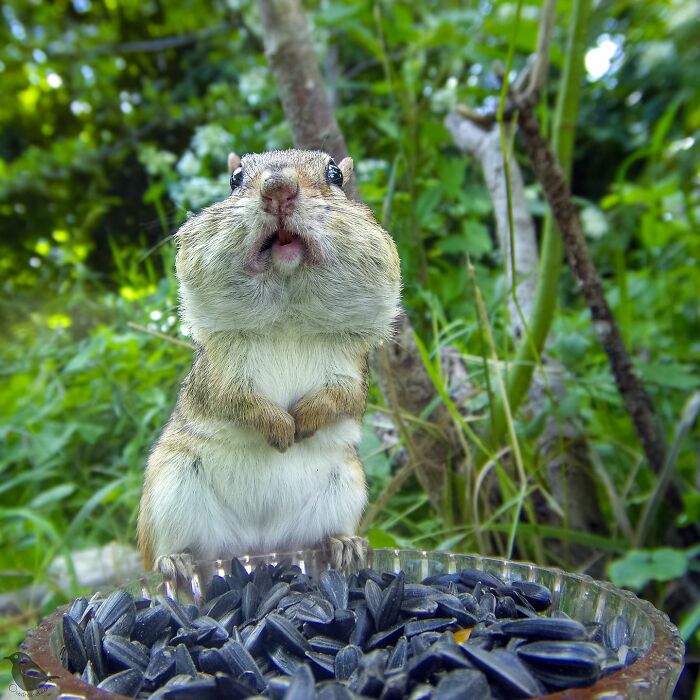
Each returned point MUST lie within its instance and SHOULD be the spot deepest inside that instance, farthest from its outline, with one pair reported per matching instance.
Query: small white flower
(189, 165)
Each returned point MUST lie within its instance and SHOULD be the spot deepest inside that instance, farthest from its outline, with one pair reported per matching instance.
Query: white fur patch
(255, 499)
(244, 496)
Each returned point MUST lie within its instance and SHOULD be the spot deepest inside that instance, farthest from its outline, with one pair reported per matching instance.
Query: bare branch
(550, 175)
(485, 147)
(538, 73)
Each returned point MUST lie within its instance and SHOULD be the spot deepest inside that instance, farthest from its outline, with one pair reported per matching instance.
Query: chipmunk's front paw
(310, 414)
(347, 553)
(279, 431)
(175, 567)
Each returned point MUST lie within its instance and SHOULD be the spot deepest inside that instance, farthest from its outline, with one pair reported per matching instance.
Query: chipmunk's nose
(279, 191)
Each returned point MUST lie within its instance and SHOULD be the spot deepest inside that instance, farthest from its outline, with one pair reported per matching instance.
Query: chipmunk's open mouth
(283, 237)
(282, 247)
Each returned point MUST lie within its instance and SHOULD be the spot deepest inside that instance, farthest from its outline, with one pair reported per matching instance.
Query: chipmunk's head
(288, 248)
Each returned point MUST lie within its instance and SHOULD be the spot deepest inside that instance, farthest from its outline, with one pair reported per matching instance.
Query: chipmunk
(285, 286)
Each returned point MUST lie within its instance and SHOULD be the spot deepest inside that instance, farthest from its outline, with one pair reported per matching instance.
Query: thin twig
(162, 336)
(538, 72)
(387, 494)
(148, 45)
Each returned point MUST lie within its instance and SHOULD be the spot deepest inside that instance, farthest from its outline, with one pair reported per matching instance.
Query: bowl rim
(664, 656)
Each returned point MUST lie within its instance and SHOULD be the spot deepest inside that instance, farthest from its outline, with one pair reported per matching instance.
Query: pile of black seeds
(276, 633)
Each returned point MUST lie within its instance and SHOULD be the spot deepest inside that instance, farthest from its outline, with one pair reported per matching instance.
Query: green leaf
(690, 622)
(451, 172)
(673, 375)
(639, 567)
(572, 346)
(478, 236)
(57, 493)
(474, 240)
(373, 455)
(379, 538)
(427, 203)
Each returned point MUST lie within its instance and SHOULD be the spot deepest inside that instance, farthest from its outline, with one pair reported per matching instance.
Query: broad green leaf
(379, 538)
(52, 495)
(639, 567)
(673, 375)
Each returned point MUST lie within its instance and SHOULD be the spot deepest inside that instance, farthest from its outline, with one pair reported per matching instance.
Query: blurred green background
(115, 121)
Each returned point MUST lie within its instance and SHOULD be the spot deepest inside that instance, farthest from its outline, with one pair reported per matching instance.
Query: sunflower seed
(113, 607)
(184, 664)
(364, 627)
(178, 615)
(335, 586)
(616, 632)
(346, 661)
(302, 685)
(89, 675)
(284, 661)
(544, 628)
(239, 574)
(124, 624)
(125, 653)
(211, 632)
(399, 656)
(325, 663)
(74, 643)
(287, 634)
(539, 596)
(150, 624)
(272, 598)
(463, 685)
(127, 683)
(255, 639)
(200, 689)
(222, 604)
(316, 610)
(388, 610)
(233, 688)
(77, 608)
(507, 670)
(325, 645)
(161, 666)
(240, 661)
(216, 586)
(435, 624)
(93, 646)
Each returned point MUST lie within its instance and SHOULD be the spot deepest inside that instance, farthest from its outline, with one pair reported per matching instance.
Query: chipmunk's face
(285, 200)
(287, 240)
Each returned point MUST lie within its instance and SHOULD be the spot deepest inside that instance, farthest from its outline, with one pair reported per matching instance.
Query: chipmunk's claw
(347, 553)
(175, 567)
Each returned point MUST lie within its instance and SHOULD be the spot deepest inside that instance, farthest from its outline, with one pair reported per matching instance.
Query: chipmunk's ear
(346, 168)
(234, 160)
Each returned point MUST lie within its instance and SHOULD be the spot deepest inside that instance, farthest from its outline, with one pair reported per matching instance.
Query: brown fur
(329, 404)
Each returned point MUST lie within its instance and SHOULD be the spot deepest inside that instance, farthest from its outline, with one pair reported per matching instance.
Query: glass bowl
(653, 676)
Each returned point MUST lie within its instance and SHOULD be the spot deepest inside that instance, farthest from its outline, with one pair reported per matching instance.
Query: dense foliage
(116, 120)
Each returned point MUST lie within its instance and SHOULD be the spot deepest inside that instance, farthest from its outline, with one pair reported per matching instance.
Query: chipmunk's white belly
(246, 496)
(286, 369)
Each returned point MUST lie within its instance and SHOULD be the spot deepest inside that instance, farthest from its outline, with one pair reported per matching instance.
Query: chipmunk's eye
(236, 178)
(333, 174)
